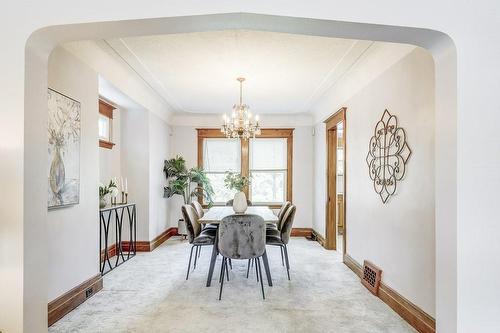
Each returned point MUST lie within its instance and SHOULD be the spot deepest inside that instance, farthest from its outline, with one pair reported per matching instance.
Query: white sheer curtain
(268, 168)
(221, 155)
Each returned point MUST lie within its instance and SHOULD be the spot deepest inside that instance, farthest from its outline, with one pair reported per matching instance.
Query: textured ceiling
(196, 72)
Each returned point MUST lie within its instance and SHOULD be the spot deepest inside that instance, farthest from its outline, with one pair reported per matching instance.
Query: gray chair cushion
(273, 240)
(272, 232)
(286, 227)
(199, 209)
(209, 232)
(191, 219)
(204, 239)
(242, 236)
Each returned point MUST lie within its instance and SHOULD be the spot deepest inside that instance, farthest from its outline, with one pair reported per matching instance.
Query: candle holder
(123, 197)
(126, 197)
(113, 201)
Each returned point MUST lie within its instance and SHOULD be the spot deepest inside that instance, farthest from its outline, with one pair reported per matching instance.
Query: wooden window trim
(284, 133)
(106, 110)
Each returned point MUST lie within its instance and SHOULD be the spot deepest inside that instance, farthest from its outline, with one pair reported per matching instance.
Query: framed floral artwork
(63, 150)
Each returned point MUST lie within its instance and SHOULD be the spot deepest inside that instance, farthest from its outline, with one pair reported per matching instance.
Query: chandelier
(240, 124)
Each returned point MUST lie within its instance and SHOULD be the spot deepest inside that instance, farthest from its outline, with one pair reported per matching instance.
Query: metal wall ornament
(388, 156)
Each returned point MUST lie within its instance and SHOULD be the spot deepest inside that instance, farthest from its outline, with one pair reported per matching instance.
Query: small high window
(105, 125)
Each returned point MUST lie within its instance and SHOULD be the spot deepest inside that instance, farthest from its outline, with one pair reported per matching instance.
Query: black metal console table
(124, 252)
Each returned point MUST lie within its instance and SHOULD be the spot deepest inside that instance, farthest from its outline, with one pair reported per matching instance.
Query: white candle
(126, 186)
(121, 183)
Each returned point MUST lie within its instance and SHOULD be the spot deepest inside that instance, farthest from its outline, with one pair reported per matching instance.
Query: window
(267, 158)
(105, 124)
(221, 155)
(104, 128)
(268, 169)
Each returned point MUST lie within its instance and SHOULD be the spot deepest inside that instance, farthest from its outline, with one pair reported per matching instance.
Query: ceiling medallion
(240, 124)
(387, 156)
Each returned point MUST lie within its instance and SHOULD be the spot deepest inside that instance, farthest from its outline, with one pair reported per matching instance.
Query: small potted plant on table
(237, 182)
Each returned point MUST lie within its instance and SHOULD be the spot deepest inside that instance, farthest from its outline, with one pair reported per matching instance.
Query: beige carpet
(150, 294)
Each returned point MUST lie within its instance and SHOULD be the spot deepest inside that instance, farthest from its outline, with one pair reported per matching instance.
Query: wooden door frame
(331, 207)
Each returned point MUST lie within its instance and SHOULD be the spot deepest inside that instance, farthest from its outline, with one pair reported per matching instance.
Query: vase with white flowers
(235, 181)
(107, 190)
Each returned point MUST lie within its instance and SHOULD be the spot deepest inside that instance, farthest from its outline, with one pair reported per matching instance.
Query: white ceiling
(196, 72)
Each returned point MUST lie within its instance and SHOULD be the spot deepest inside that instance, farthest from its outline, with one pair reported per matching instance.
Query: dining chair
(196, 236)
(283, 238)
(200, 212)
(273, 228)
(242, 237)
(230, 203)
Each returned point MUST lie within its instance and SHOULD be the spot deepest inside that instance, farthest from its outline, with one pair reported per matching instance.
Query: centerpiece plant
(237, 182)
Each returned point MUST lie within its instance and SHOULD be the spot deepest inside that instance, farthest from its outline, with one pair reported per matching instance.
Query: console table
(123, 249)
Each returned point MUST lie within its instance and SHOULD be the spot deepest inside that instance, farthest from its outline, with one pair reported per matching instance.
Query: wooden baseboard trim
(67, 302)
(320, 239)
(415, 316)
(148, 246)
(301, 232)
(111, 252)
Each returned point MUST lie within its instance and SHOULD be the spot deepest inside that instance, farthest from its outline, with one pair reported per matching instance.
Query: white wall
(185, 143)
(397, 236)
(159, 150)
(135, 164)
(73, 234)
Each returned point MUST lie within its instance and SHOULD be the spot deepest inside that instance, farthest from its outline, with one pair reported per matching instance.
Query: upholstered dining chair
(273, 229)
(230, 203)
(242, 237)
(200, 212)
(283, 238)
(196, 236)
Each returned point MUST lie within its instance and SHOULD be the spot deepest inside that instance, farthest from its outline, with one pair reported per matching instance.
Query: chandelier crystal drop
(240, 124)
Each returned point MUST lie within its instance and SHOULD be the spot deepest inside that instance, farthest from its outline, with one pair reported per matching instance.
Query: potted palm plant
(237, 182)
(187, 183)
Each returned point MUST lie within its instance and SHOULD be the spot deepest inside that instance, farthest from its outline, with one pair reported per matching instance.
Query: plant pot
(240, 203)
(102, 203)
(181, 227)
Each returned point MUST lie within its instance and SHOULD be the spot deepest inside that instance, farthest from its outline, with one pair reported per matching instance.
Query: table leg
(213, 260)
(268, 271)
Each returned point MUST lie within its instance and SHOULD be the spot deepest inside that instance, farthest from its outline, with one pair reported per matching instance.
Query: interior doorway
(336, 185)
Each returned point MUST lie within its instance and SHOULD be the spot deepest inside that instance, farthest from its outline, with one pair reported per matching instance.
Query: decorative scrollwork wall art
(387, 156)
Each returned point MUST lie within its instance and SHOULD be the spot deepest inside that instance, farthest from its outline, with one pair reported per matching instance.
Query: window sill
(106, 144)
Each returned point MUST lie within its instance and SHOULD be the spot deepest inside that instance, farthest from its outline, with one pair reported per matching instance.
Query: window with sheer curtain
(221, 155)
(267, 159)
(268, 169)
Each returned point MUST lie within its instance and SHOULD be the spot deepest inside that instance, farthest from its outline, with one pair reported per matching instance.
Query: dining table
(214, 215)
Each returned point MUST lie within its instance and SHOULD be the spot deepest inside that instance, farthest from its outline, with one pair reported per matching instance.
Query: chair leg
(256, 269)
(199, 252)
(248, 267)
(189, 264)
(230, 264)
(282, 260)
(287, 262)
(260, 274)
(227, 270)
(196, 257)
(222, 274)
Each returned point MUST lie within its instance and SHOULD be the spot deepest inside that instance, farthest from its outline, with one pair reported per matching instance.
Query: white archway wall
(20, 150)
(398, 236)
